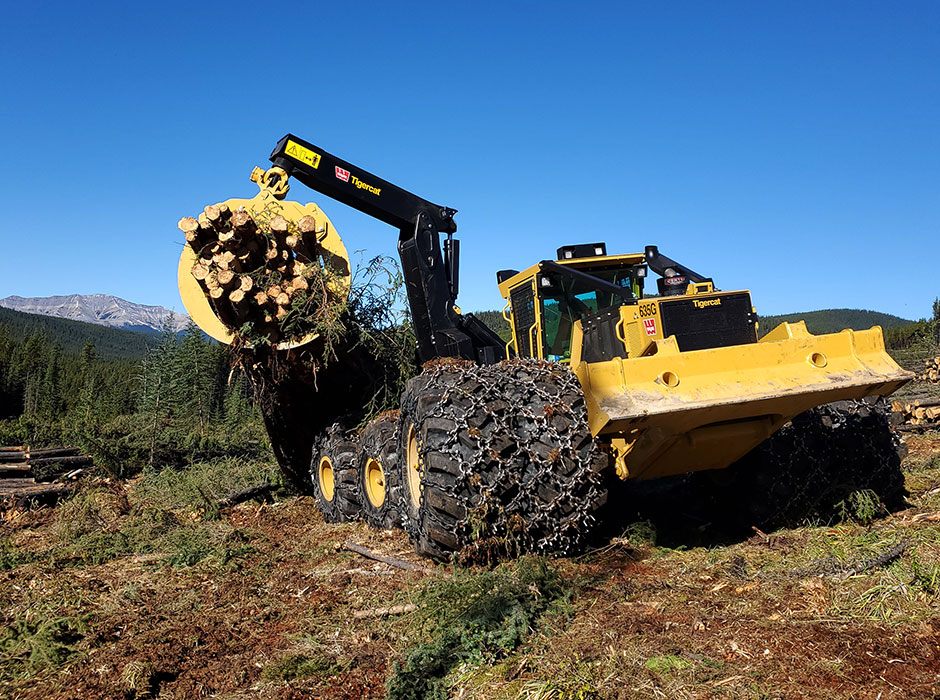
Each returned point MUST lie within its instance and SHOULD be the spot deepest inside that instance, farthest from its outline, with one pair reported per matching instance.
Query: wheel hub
(325, 473)
(375, 483)
(413, 469)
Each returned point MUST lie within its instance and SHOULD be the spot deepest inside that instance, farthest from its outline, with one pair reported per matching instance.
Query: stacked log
(255, 271)
(931, 371)
(37, 476)
(919, 411)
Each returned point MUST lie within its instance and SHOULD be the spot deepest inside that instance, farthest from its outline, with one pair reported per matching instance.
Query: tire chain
(343, 452)
(819, 459)
(526, 462)
(379, 440)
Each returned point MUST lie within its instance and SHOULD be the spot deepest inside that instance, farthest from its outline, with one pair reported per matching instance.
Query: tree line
(180, 401)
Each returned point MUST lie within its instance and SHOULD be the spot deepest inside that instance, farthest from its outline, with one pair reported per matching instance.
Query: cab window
(566, 300)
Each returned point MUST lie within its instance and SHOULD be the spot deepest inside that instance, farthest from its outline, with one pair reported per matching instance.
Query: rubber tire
(343, 453)
(379, 441)
(803, 472)
(508, 464)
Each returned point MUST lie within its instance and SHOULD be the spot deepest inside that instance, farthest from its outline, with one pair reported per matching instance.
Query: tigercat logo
(705, 303)
(342, 174)
(364, 186)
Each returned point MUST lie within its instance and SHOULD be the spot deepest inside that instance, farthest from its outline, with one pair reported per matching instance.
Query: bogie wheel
(378, 474)
(334, 470)
(497, 460)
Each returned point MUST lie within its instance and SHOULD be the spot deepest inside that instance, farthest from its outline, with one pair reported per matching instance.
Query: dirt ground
(262, 603)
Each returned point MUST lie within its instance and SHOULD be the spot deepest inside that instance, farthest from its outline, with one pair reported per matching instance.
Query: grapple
(323, 250)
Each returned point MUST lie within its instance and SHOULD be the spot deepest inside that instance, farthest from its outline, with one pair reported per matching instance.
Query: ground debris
(385, 559)
(833, 568)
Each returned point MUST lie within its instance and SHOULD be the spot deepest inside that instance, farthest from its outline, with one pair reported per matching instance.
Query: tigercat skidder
(503, 445)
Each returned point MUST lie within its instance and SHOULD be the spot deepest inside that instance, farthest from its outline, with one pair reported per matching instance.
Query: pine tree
(160, 385)
(50, 395)
(90, 382)
(198, 369)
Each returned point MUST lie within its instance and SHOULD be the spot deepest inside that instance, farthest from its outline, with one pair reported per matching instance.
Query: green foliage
(12, 556)
(495, 322)
(667, 664)
(473, 617)
(38, 640)
(834, 320)
(200, 487)
(178, 404)
(863, 506)
(917, 335)
(295, 666)
(173, 514)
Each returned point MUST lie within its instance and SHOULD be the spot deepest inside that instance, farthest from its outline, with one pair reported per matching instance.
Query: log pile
(38, 476)
(255, 272)
(919, 411)
(931, 371)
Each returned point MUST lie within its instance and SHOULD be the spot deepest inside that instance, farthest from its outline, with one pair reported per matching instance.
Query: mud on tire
(334, 472)
(505, 460)
(378, 473)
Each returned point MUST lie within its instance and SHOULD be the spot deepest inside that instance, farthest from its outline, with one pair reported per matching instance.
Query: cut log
(242, 221)
(218, 216)
(245, 283)
(384, 612)
(300, 248)
(54, 452)
(279, 227)
(262, 492)
(226, 278)
(386, 559)
(15, 470)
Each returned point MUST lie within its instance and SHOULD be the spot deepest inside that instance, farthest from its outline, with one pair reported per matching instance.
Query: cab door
(526, 319)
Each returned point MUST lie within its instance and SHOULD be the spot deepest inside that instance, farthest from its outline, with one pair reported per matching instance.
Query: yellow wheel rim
(326, 478)
(375, 483)
(413, 468)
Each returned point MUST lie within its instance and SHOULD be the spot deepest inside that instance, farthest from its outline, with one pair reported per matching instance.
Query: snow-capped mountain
(103, 309)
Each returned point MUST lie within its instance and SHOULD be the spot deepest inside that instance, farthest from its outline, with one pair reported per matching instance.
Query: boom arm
(431, 275)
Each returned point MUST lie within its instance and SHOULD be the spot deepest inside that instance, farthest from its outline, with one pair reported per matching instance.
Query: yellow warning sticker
(304, 155)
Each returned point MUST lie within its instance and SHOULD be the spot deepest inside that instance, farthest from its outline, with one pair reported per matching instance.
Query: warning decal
(304, 155)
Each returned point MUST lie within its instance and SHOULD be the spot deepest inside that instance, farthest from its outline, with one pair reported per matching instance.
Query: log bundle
(38, 476)
(919, 411)
(931, 371)
(255, 271)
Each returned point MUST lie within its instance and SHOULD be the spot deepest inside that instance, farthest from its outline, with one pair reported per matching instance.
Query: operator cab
(546, 300)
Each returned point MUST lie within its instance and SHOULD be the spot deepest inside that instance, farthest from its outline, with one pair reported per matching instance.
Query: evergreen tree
(50, 397)
(160, 386)
(90, 382)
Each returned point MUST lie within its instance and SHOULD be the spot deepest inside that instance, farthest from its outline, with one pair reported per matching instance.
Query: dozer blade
(674, 412)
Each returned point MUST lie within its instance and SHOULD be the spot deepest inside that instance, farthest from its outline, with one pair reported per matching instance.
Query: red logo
(342, 174)
(650, 325)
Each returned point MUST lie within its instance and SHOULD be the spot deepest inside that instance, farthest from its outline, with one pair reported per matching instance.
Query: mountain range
(100, 309)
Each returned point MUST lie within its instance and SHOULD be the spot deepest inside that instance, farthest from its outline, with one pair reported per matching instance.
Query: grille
(709, 326)
(523, 313)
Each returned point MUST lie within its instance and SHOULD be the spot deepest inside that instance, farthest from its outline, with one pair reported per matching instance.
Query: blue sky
(790, 148)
